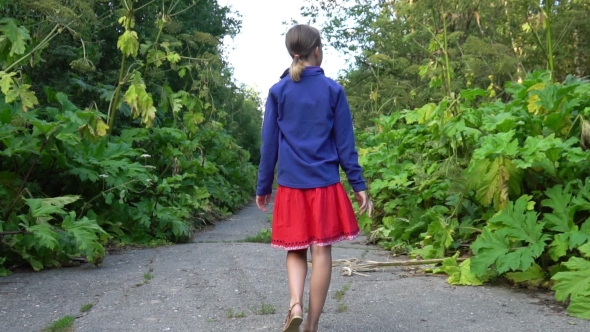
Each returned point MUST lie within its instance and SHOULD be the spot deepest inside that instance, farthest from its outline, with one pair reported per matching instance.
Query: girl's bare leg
(296, 272)
(321, 274)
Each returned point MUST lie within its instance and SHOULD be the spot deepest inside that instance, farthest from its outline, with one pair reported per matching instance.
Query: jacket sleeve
(344, 138)
(269, 150)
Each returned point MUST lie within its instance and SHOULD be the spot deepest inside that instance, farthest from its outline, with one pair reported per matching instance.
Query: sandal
(293, 321)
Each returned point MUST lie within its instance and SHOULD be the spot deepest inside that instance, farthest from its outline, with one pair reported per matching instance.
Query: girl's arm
(269, 150)
(344, 138)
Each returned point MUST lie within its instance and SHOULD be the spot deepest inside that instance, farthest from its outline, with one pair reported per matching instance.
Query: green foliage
(500, 179)
(63, 324)
(459, 274)
(161, 149)
(265, 309)
(14, 38)
(511, 242)
(230, 313)
(406, 54)
(533, 274)
(457, 160)
(575, 284)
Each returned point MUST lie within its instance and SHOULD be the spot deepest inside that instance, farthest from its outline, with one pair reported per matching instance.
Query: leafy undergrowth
(146, 161)
(504, 184)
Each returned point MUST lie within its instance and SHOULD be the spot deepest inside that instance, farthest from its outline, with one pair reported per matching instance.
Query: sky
(258, 54)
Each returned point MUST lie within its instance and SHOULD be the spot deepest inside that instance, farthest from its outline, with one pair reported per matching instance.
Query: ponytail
(297, 68)
(301, 41)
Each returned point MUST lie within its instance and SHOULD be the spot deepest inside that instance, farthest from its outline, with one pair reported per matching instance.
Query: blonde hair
(301, 41)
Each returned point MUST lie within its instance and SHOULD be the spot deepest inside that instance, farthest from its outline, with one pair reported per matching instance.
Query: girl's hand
(364, 203)
(261, 201)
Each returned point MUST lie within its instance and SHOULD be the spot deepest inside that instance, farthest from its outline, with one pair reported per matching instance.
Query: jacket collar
(308, 71)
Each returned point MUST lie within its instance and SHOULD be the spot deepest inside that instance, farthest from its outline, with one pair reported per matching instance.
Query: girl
(308, 129)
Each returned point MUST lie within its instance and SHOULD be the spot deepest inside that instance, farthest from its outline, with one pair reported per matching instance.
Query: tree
(409, 53)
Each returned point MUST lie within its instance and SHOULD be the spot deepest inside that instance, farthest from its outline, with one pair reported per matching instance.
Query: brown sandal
(293, 322)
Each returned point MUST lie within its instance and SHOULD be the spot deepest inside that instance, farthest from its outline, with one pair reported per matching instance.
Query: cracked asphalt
(218, 283)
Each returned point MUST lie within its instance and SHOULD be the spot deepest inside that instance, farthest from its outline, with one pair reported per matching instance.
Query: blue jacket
(308, 128)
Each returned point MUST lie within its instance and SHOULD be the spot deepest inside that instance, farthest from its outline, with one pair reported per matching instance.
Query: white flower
(146, 156)
(104, 176)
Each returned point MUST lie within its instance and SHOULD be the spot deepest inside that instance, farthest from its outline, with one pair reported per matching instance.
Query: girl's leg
(321, 274)
(296, 272)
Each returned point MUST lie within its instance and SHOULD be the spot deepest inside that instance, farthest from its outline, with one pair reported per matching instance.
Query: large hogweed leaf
(140, 101)
(439, 235)
(494, 180)
(540, 152)
(46, 207)
(498, 121)
(128, 42)
(6, 81)
(561, 217)
(575, 284)
(564, 206)
(88, 236)
(533, 274)
(517, 241)
(459, 274)
(16, 35)
(501, 144)
(14, 91)
(422, 115)
(27, 97)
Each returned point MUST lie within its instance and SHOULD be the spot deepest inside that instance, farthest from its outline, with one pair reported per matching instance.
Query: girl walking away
(308, 130)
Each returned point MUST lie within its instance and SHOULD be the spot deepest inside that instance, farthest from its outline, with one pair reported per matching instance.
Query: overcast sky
(258, 54)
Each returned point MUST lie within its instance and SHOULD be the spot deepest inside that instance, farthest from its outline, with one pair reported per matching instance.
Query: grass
(265, 309)
(341, 308)
(230, 313)
(65, 324)
(339, 295)
(262, 237)
(86, 307)
(364, 254)
(146, 278)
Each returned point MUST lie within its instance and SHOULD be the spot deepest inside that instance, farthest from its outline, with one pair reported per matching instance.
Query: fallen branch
(353, 266)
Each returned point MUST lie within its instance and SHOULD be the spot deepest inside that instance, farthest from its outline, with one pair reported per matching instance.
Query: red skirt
(320, 216)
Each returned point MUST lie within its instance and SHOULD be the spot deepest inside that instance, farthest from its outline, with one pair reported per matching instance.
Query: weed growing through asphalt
(146, 277)
(265, 309)
(65, 324)
(364, 254)
(262, 237)
(230, 313)
(339, 295)
(341, 308)
(86, 307)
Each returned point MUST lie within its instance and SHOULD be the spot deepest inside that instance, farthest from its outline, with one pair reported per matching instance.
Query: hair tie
(296, 55)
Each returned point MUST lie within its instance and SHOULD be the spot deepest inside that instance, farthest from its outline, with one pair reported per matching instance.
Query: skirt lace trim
(313, 240)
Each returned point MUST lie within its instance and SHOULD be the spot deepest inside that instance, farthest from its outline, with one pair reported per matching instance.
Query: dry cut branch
(353, 266)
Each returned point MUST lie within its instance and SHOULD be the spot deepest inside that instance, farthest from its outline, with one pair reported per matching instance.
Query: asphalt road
(218, 283)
